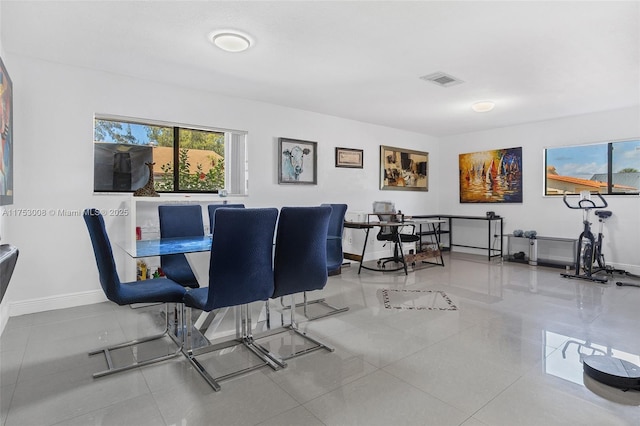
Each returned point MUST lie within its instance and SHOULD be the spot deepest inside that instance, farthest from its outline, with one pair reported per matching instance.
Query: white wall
(53, 119)
(548, 215)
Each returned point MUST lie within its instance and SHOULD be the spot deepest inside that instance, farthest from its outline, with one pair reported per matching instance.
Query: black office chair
(394, 235)
(300, 262)
(158, 290)
(8, 259)
(240, 272)
(180, 221)
(211, 208)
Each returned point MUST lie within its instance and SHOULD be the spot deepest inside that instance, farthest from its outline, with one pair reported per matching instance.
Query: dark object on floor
(623, 284)
(611, 371)
(8, 259)
(519, 255)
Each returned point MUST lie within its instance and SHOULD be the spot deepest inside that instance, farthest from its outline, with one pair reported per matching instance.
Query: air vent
(442, 79)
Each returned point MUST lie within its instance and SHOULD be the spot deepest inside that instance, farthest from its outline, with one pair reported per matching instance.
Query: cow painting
(293, 162)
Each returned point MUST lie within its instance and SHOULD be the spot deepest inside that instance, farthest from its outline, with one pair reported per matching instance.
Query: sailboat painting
(491, 176)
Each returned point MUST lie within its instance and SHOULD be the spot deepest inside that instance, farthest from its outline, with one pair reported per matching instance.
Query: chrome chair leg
(244, 337)
(107, 351)
(293, 327)
(333, 310)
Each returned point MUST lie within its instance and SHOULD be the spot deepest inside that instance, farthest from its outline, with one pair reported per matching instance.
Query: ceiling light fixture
(231, 41)
(484, 106)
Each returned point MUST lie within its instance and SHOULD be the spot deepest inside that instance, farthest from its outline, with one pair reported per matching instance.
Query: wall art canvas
(403, 169)
(6, 146)
(350, 158)
(298, 163)
(491, 176)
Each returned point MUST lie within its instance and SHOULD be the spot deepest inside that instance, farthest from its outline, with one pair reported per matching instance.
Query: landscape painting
(491, 176)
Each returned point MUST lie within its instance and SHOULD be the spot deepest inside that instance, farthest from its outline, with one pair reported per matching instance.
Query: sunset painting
(491, 176)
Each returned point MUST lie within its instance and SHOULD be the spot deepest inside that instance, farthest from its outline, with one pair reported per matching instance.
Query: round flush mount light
(230, 41)
(484, 106)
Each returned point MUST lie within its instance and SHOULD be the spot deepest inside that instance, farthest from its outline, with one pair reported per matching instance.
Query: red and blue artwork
(6, 129)
(491, 176)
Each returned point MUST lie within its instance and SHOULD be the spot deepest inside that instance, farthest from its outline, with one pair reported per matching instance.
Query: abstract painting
(6, 145)
(491, 176)
(403, 169)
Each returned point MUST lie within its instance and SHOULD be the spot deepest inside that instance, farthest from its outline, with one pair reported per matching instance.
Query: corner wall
(548, 215)
(53, 119)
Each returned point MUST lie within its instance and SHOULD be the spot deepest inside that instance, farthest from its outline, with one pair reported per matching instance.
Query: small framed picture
(348, 157)
(298, 162)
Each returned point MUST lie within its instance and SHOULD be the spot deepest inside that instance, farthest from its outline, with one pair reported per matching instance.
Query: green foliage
(163, 136)
(108, 131)
(200, 181)
(190, 139)
(212, 180)
(628, 170)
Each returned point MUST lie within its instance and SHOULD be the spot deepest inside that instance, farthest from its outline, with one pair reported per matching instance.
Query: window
(607, 168)
(186, 159)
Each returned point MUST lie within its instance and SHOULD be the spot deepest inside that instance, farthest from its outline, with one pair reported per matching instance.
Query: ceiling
(359, 60)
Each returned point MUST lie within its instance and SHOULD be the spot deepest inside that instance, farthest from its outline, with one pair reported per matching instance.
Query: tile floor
(508, 355)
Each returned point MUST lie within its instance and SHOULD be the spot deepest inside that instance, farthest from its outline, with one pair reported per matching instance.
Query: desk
(431, 248)
(367, 226)
(491, 251)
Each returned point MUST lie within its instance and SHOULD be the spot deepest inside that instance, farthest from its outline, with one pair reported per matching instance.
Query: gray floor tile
(510, 354)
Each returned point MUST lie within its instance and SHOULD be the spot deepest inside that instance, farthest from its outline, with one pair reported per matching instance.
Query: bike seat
(603, 214)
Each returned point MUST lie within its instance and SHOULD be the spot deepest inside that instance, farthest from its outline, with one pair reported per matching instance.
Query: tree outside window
(123, 147)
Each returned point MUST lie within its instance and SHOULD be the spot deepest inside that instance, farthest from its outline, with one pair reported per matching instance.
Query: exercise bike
(589, 253)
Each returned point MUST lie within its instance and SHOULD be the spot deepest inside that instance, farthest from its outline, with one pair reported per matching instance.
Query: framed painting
(6, 145)
(347, 157)
(491, 176)
(403, 169)
(298, 162)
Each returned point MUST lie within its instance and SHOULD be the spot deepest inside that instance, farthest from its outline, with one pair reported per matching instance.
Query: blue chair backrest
(180, 221)
(109, 279)
(335, 255)
(241, 269)
(212, 212)
(336, 221)
(301, 250)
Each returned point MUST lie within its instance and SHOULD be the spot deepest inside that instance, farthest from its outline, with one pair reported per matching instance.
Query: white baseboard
(4, 316)
(55, 302)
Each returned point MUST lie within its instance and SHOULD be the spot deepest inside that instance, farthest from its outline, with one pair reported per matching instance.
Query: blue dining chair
(180, 221)
(158, 290)
(212, 212)
(334, 260)
(240, 272)
(300, 262)
(335, 256)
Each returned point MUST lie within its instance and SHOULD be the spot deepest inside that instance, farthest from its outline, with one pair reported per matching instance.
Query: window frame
(231, 177)
(609, 149)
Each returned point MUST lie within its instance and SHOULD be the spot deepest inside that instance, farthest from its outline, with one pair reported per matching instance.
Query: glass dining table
(196, 251)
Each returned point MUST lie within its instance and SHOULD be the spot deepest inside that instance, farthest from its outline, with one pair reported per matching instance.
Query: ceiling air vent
(442, 79)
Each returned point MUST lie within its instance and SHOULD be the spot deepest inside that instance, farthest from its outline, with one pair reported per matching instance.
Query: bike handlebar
(586, 204)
